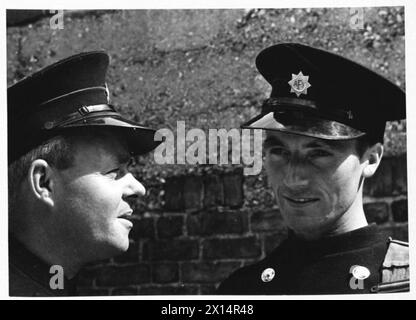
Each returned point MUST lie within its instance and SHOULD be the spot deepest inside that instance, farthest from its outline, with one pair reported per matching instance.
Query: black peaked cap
(68, 95)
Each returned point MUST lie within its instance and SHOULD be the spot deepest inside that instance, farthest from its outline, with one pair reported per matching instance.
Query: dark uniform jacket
(29, 276)
(326, 266)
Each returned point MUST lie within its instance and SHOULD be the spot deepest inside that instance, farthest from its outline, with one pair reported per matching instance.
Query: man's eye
(131, 164)
(278, 152)
(113, 174)
(319, 153)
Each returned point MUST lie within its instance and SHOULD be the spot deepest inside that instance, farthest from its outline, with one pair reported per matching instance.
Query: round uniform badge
(267, 275)
(360, 272)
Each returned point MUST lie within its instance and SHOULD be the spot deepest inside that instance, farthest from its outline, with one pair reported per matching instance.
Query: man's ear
(41, 184)
(371, 158)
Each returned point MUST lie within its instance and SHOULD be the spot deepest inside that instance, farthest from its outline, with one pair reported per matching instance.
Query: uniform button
(267, 275)
(48, 125)
(360, 272)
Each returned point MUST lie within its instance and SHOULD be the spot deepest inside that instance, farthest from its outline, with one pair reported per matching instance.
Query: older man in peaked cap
(69, 154)
(324, 125)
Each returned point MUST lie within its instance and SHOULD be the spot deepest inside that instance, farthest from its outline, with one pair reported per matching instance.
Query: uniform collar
(353, 240)
(36, 269)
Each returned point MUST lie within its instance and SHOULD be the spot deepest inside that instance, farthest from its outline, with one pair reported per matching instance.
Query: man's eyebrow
(123, 157)
(336, 145)
(318, 144)
(326, 144)
(273, 141)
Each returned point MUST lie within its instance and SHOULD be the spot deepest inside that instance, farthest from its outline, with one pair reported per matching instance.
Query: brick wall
(207, 228)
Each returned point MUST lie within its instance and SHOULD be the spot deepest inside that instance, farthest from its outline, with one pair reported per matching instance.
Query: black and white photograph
(223, 152)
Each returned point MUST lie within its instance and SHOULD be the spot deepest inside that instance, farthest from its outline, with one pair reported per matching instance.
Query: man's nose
(132, 187)
(295, 175)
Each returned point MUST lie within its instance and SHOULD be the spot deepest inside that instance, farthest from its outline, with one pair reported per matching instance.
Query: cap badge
(299, 84)
(267, 275)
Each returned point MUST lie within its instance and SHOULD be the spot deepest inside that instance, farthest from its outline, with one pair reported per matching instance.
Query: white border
(410, 33)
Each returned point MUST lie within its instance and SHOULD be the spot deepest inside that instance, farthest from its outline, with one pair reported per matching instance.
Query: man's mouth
(126, 220)
(126, 215)
(298, 201)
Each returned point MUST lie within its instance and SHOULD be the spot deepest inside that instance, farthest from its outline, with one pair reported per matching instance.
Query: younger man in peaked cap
(324, 125)
(69, 184)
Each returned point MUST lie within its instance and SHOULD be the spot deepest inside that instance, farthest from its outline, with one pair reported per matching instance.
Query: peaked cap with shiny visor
(68, 95)
(319, 94)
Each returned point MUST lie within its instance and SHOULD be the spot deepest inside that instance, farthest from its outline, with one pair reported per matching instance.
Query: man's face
(315, 181)
(91, 199)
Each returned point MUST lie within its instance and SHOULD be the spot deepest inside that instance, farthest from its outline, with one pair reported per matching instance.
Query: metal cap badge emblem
(268, 275)
(299, 84)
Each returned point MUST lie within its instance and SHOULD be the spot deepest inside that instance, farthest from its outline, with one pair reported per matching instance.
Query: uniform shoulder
(395, 268)
(22, 285)
(238, 281)
(246, 279)
(397, 254)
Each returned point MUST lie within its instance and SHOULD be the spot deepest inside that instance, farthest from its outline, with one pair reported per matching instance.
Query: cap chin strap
(285, 103)
(82, 113)
(66, 95)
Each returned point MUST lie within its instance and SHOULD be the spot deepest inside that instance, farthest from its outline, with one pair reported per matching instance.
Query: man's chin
(113, 248)
(305, 230)
(123, 246)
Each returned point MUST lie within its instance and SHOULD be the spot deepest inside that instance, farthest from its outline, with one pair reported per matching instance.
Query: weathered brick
(213, 222)
(400, 175)
(132, 255)
(377, 212)
(399, 209)
(165, 272)
(170, 226)
(273, 240)
(193, 192)
(207, 272)
(233, 189)
(125, 291)
(239, 248)
(257, 193)
(266, 220)
(381, 183)
(169, 290)
(398, 232)
(86, 277)
(88, 292)
(208, 289)
(123, 275)
(153, 200)
(173, 188)
(213, 190)
(143, 228)
(98, 264)
(171, 250)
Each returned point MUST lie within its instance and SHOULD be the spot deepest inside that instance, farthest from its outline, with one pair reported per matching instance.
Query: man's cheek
(275, 185)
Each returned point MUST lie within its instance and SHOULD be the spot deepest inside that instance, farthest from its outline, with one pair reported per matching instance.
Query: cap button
(360, 272)
(268, 275)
